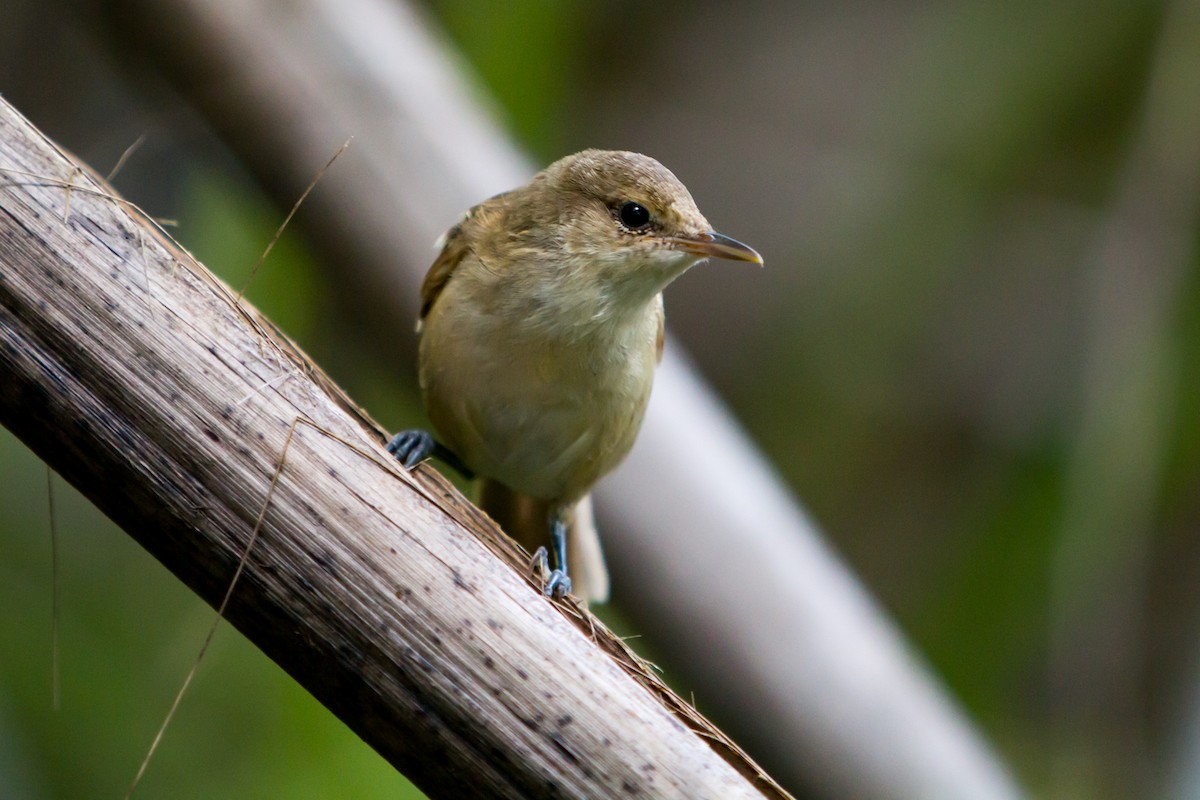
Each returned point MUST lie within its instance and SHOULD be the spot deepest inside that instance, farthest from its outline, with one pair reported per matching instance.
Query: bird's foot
(555, 583)
(559, 584)
(412, 447)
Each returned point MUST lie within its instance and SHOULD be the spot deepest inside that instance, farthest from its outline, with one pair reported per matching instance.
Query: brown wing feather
(443, 267)
(455, 245)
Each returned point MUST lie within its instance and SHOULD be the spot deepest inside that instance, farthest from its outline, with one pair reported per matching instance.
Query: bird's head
(628, 219)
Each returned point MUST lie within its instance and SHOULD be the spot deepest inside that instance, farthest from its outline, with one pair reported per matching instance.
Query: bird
(541, 325)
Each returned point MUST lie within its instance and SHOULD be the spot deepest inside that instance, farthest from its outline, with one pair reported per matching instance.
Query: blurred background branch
(928, 183)
(1138, 267)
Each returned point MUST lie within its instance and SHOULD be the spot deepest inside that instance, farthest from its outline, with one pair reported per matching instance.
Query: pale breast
(546, 415)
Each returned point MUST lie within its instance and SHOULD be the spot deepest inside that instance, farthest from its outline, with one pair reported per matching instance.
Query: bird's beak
(715, 245)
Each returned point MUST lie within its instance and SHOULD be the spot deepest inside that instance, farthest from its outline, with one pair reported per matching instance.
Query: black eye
(634, 215)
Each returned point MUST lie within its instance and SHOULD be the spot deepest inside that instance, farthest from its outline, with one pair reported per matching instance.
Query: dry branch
(143, 380)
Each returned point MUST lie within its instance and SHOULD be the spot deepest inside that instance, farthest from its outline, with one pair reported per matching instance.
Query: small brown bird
(541, 325)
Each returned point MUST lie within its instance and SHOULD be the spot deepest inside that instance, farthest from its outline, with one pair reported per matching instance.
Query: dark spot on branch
(460, 581)
(309, 509)
(562, 748)
(326, 561)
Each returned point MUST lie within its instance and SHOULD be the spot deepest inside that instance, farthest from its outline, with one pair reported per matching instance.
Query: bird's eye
(633, 215)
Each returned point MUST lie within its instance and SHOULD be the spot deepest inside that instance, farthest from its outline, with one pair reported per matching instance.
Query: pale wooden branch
(712, 557)
(142, 379)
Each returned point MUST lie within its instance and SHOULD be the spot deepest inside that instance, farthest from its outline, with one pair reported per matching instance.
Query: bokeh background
(972, 355)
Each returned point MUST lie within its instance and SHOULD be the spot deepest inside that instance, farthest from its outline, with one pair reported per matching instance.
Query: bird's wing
(454, 247)
(454, 244)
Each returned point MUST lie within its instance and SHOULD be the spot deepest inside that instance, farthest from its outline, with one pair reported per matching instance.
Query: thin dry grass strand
(145, 274)
(129, 151)
(70, 184)
(296, 423)
(237, 574)
(49, 181)
(267, 385)
(125, 157)
(283, 225)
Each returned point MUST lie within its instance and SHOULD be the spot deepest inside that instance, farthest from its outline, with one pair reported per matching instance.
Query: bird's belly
(547, 425)
(549, 451)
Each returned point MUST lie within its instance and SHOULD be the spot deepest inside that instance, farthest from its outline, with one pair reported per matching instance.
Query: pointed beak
(715, 245)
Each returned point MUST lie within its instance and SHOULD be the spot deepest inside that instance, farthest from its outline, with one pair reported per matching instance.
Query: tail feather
(527, 520)
(588, 571)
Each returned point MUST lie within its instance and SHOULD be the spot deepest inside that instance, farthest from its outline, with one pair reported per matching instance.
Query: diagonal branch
(147, 384)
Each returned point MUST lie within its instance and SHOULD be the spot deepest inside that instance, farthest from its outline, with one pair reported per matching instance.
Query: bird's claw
(412, 447)
(557, 584)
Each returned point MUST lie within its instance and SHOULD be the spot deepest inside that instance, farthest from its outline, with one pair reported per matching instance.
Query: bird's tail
(527, 520)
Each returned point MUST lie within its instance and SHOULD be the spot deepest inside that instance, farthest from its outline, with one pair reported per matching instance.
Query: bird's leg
(414, 446)
(558, 584)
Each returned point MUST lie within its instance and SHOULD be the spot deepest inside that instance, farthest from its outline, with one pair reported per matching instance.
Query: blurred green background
(996, 423)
